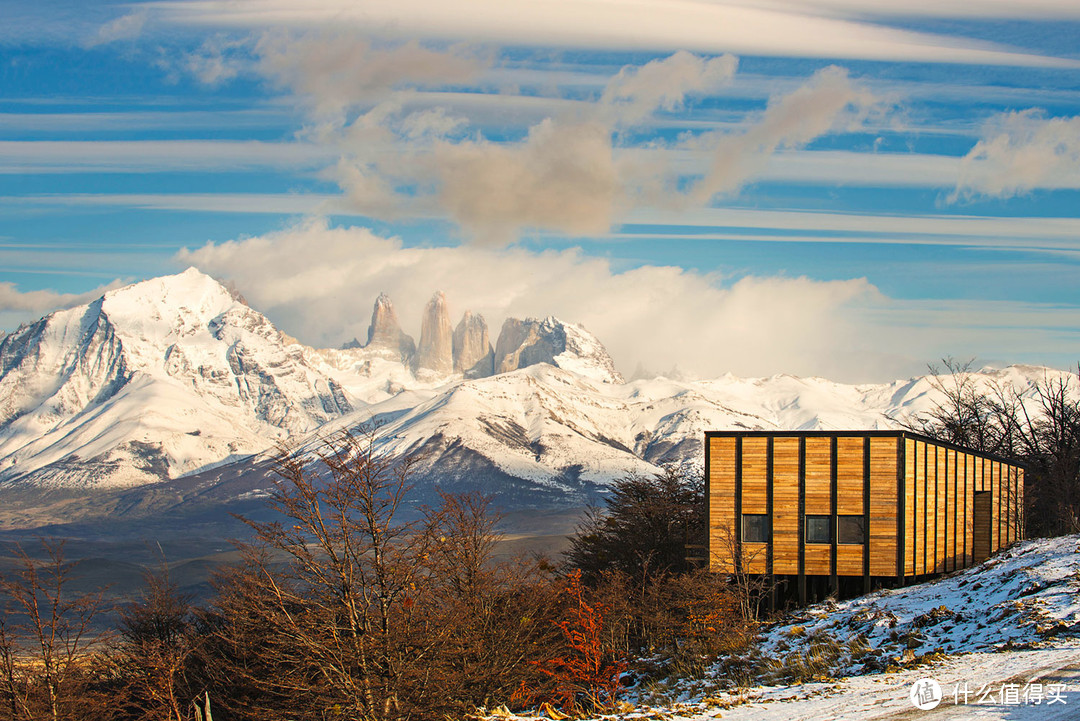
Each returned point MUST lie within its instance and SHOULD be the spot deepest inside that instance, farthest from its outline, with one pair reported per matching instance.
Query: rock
(569, 346)
(473, 355)
(385, 334)
(436, 349)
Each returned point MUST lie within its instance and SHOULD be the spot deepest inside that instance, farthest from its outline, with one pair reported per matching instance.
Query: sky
(840, 188)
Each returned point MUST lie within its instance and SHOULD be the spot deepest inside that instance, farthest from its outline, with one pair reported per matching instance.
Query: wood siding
(917, 498)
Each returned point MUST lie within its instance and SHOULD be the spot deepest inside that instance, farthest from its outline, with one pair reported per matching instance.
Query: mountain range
(172, 394)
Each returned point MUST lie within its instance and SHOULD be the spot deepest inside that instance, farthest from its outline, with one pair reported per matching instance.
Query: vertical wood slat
(911, 474)
(722, 529)
(818, 483)
(884, 522)
(919, 516)
(785, 509)
(939, 510)
(995, 496)
(920, 508)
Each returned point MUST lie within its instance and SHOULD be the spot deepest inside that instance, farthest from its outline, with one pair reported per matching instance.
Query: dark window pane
(755, 528)
(851, 529)
(818, 529)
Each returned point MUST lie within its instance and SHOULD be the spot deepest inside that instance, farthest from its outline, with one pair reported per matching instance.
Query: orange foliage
(585, 677)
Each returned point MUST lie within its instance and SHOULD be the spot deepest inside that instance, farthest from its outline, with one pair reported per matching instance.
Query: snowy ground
(1002, 641)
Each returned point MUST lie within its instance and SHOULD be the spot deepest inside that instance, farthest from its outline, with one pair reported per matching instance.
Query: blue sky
(827, 187)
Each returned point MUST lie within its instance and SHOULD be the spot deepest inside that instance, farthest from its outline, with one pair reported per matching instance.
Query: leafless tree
(1038, 427)
(47, 632)
(751, 585)
(154, 649)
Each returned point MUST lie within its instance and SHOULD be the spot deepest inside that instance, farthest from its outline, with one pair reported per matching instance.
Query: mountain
(156, 380)
(523, 343)
(385, 334)
(169, 394)
(473, 354)
(436, 349)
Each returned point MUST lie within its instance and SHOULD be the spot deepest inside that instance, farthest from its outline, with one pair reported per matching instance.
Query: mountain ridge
(175, 377)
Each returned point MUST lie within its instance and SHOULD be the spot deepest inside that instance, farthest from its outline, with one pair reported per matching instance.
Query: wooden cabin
(845, 512)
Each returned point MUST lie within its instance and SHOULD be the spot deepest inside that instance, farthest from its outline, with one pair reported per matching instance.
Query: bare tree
(47, 632)
(750, 585)
(1038, 427)
(339, 612)
(155, 647)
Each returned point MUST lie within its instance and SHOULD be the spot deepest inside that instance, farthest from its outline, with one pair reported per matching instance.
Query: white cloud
(44, 301)
(318, 283)
(636, 92)
(125, 27)
(791, 121)
(1019, 152)
(736, 26)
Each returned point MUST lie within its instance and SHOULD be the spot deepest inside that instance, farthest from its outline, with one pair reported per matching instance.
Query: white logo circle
(925, 694)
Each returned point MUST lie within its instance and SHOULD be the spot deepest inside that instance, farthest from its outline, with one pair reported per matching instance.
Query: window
(819, 529)
(755, 528)
(851, 529)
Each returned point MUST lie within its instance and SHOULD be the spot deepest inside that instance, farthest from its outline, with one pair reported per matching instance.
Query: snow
(995, 637)
(159, 379)
(175, 375)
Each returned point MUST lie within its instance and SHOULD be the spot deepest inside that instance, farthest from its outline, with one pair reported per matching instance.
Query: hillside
(176, 390)
(1012, 621)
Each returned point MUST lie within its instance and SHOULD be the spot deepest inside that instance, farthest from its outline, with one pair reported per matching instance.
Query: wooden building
(849, 511)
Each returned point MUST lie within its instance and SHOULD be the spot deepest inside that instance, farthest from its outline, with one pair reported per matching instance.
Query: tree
(977, 416)
(336, 619)
(354, 607)
(46, 634)
(644, 528)
(155, 648)
(1038, 428)
(585, 675)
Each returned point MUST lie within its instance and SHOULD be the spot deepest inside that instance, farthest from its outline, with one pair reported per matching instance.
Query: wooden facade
(829, 507)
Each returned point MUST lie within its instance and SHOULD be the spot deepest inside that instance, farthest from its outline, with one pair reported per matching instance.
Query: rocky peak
(385, 334)
(436, 349)
(473, 355)
(569, 346)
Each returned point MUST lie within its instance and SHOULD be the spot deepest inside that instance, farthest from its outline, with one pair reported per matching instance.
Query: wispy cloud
(1019, 152)
(756, 28)
(125, 27)
(316, 283)
(44, 301)
(106, 156)
(790, 121)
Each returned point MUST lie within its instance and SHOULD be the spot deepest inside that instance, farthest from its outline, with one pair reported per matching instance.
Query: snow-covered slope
(1000, 639)
(175, 375)
(155, 380)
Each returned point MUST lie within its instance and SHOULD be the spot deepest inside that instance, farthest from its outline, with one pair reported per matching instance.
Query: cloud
(334, 71)
(121, 156)
(44, 301)
(318, 284)
(833, 30)
(1019, 152)
(790, 121)
(636, 92)
(125, 27)
(562, 177)
(569, 174)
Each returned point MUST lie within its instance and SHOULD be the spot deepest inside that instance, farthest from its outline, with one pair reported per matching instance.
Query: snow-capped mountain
(175, 377)
(156, 380)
